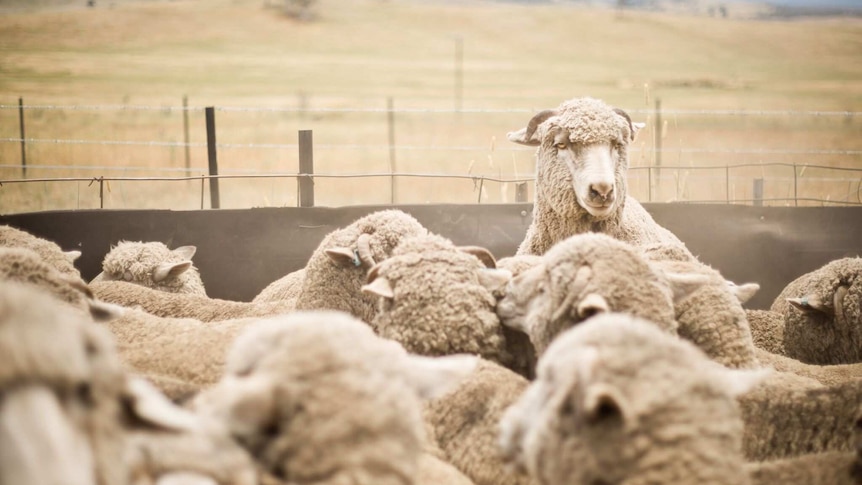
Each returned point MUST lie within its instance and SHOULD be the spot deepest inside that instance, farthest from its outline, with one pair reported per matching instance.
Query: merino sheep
(437, 299)
(581, 165)
(50, 252)
(584, 275)
(619, 400)
(822, 313)
(71, 414)
(790, 420)
(767, 330)
(153, 265)
(183, 305)
(465, 423)
(335, 272)
(316, 397)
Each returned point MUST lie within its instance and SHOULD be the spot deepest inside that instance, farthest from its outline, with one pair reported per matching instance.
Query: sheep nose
(602, 190)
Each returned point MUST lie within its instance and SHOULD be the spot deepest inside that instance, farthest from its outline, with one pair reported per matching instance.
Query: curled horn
(373, 273)
(483, 254)
(537, 120)
(628, 119)
(838, 300)
(363, 250)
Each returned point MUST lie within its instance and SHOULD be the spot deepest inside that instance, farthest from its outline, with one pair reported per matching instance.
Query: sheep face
(823, 314)
(616, 400)
(582, 157)
(580, 277)
(60, 382)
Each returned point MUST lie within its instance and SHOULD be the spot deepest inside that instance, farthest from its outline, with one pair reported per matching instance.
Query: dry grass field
(104, 88)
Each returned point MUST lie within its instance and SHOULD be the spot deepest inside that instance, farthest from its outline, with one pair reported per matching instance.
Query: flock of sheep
(602, 353)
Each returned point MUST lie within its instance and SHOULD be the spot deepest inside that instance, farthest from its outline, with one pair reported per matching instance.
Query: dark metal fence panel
(241, 251)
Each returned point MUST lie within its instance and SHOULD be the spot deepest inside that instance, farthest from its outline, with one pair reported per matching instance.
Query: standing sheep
(153, 265)
(316, 397)
(581, 165)
(823, 314)
(619, 401)
(50, 252)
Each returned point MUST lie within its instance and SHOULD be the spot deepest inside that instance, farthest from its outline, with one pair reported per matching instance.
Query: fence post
(306, 169)
(727, 183)
(23, 143)
(795, 187)
(186, 133)
(758, 192)
(390, 110)
(211, 155)
(521, 192)
(657, 144)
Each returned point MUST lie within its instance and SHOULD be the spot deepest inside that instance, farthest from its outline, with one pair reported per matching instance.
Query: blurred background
(104, 103)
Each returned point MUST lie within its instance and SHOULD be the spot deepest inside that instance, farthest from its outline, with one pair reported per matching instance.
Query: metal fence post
(758, 192)
(186, 133)
(657, 145)
(23, 143)
(306, 169)
(211, 154)
(795, 186)
(390, 110)
(521, 192)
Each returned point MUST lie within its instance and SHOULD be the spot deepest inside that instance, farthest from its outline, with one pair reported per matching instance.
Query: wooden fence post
(306, 169)
(521, 192)
(758, 192)
(211, 155)
(23, 143)
(186, 134)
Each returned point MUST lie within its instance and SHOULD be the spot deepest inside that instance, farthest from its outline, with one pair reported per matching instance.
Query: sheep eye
(561, 146)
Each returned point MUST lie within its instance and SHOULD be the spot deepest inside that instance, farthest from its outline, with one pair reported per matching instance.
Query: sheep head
(607, 396)
(582, 156)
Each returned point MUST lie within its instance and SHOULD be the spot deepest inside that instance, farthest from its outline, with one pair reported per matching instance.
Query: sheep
(336, 270)
(22, 265)
(153, 265)
(71, 414)
(587, 274)
(618, 400)
(825, 374)
(436, 299)
(285, 288)
(317, 397)
(822, 313)
(790, 420)
(581, 165)
(49, 251)
(182, 305)
(465, 422)
(767, 330)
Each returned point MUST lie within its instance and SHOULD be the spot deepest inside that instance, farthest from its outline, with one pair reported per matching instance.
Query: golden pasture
(103, 90)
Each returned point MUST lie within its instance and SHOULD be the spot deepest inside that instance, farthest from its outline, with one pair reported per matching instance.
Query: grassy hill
(358, 53)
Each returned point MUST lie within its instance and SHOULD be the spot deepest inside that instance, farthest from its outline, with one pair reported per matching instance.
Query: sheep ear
(167, 270)
(808, 303)
(684, 284)
(739, 381)
(149, 405)
(380, 287)
(591, 305)
(72, 256)
(494, 279)
(483, 254)
(102, 311)
(743, 292)
(519, 137)
(432, 377)
(343, 257)
(185, 252)
(603, 404)
(636, 127)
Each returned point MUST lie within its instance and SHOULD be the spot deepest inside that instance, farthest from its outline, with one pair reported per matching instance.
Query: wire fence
(127, 156)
